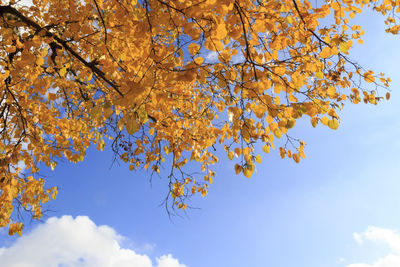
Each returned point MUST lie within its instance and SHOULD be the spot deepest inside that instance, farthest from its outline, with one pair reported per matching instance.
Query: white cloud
(168, 261)
(238, 58)
(388, 237)
(76, 242)
(212, 57)
(358, 238)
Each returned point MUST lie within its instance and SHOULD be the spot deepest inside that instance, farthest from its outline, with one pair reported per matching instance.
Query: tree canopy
(170, 81)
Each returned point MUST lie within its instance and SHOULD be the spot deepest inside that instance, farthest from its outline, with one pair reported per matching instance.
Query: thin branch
(63, 43)
(305, 24)
(248, 54)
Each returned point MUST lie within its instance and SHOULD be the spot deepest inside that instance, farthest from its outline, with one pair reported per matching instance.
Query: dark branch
(63, 43)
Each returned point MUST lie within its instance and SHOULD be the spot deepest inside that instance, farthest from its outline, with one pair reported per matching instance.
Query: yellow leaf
(194, 48)
(368, 77)
(247, 172)
(120, 124)
(53, 165)
(278, 133)
(238, 168)
(266, 148)
(324, 120)
(203, 192)
(198, 60)
(166, 150)
(259, 111)
(63, 71)
(221, 31)
(333, 124)
(238, 151)
(326, 52)
(331, 112)
(40, 61)
(344, 47)
(290, 123)
(11, 49)
(101, 144)
(108, 112)
(132, 126)
(213, 44)
(331, 91)
(282, 152)
(289, 20)
(96, 112)
(142, 114)
(258, 159)
(54, 192)
(231, 154)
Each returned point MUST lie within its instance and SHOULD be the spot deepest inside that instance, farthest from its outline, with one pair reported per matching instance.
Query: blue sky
(338, 207)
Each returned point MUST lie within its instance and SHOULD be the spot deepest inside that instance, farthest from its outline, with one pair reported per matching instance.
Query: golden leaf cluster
(169, 81)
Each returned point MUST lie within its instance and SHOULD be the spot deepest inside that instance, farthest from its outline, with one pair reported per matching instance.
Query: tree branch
(63, 43)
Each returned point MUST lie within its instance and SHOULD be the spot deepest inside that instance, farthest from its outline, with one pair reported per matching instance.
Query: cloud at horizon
(388, 237)
(76, 242)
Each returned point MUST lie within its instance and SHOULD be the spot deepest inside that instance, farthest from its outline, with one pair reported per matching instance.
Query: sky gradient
(338, 208)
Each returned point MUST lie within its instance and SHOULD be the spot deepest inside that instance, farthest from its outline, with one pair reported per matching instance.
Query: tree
(170, 79)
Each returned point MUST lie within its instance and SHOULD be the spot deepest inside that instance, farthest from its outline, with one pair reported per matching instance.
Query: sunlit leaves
(333, 124)
(247, 172)
(266, 148)
(199, 60)
(319, 74)
(238, 168)
(258, 159)
(15, 228)
(171, 84)
(194, 48)
(368, 77)
(296, 158)
(259, 111)
(344, 47)
(326, 52)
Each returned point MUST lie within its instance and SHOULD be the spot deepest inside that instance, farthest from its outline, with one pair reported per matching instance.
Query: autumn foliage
(170, 80)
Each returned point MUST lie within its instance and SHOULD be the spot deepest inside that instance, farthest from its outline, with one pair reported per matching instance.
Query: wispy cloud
(358, 238)
(211, 57)
(384, 236)
(76, 242)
